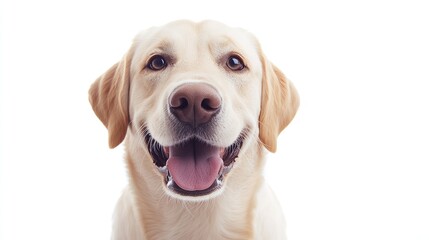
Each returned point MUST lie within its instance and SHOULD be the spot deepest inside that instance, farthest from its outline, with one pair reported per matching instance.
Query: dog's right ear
(108, 96)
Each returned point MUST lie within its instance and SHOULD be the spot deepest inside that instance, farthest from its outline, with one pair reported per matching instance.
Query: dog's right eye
(157, 63)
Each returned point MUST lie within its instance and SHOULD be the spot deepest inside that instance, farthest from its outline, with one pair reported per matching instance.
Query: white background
(354, 163)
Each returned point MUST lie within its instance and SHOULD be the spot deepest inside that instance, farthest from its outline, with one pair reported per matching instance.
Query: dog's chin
(193, 170)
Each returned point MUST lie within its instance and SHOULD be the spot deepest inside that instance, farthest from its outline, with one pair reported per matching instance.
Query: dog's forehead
(211, 34)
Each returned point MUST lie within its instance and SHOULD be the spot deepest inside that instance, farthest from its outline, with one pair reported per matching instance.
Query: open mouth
(193, 167)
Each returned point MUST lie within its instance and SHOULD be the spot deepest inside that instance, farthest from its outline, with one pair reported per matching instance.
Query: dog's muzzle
(193, 166)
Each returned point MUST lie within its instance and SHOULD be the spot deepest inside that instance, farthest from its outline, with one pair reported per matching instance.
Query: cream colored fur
(129, 97)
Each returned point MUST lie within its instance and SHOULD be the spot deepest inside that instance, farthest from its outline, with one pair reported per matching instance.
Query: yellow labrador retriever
(198, 104)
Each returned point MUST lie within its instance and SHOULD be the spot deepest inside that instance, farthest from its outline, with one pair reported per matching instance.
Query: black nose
(194, 103)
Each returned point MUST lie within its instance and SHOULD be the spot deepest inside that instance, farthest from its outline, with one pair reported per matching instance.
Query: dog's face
(195, 95)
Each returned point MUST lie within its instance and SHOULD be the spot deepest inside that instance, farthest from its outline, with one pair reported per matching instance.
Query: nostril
(183, 103)
(179, 102)
(208, 105)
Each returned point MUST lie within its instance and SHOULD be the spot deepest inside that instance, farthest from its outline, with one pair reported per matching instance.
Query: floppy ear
(108, 96)
(279, 104)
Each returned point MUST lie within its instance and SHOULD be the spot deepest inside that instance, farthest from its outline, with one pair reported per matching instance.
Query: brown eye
(235, 63)
(157, 63)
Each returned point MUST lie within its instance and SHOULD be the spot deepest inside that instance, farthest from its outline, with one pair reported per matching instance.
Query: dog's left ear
(108, 96)
(279, 104)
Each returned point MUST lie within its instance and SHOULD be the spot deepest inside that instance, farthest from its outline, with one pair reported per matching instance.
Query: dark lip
(214, 187)
(160, 158)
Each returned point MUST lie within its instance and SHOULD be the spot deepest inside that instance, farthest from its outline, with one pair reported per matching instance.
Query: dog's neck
(163, 217)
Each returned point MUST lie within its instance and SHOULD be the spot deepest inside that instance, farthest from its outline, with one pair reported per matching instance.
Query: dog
(198, 105)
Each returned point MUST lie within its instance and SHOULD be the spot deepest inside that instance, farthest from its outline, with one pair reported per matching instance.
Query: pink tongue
(194, 165)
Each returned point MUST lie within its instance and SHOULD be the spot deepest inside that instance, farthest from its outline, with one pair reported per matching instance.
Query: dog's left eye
(157, 63)
(235, 63)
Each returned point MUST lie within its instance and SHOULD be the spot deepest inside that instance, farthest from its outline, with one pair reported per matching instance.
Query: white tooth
(169, 181)
(222, 152)
(163, 170)
(166, 151)
(227, 169)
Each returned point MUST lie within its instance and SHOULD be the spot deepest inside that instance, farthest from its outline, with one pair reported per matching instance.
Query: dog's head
(194, 96)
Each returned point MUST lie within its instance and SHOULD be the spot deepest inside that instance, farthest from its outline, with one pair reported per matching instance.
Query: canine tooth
(222, 152)
(228, 168)
(169, 181)
(163, 170)
(166, 151)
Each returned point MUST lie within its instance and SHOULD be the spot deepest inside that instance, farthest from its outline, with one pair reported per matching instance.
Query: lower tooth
(169, 180)
(228, 168)
(163, 170)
